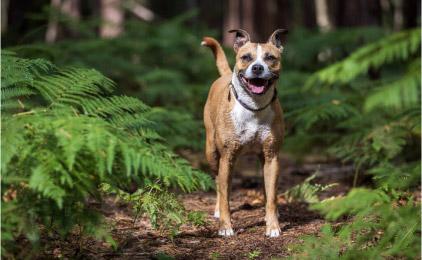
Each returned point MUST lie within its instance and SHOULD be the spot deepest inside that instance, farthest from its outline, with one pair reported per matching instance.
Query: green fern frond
(73, 86)
(21, 71)
(323, 111)
(399, 94)
(397, 47)
(116, 105)
(12, 93)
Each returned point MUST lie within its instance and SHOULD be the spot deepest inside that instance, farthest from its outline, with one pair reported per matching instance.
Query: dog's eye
(246, 57)
(270, 57)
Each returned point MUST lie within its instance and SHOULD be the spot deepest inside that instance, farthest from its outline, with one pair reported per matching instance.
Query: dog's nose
(257, 69)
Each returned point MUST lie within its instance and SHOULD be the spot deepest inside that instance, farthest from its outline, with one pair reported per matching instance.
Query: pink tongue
(257, 89)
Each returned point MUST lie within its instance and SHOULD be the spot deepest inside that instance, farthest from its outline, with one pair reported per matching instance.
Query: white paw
(217, 214)
(227, 232)
(273, 232)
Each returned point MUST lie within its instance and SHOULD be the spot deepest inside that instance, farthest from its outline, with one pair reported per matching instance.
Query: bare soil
(138, 240)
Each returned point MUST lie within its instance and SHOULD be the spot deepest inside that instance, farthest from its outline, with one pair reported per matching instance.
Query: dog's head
(258, 64)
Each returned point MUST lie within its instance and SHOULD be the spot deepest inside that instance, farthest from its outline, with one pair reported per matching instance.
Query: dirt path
(137, 240)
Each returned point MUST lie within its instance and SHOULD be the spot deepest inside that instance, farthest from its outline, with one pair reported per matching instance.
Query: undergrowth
(372, 122)
(63, 135)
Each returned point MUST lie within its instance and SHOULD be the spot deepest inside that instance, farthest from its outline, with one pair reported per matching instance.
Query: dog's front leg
(271, 171)
(224, 180)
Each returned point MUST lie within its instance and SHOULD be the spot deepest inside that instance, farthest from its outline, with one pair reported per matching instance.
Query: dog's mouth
(257, 86)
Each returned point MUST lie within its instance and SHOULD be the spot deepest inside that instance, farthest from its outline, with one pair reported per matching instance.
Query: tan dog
(243, 114)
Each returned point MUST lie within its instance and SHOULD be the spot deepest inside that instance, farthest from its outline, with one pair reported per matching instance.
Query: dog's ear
(275, 38)
(241, 38)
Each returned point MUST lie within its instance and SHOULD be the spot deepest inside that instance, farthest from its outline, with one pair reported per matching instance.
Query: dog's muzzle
(257, 85)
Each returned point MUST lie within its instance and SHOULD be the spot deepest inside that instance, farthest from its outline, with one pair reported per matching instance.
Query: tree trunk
(386, 13)
(268, 20)
(309, 14)
(70, 8)
(411, 13)
(398, 15)
(231, 21)
(4, 15)
(141, 11)
(53, 23)
(112, 16)
(322, 16)
(248, 17)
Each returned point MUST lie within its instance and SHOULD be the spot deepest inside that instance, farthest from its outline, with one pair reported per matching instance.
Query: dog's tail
(220, 58)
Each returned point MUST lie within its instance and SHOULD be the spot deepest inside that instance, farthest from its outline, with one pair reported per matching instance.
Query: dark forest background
(259, 18)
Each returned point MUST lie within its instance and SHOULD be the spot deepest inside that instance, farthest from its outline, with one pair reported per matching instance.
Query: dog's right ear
(241, 38)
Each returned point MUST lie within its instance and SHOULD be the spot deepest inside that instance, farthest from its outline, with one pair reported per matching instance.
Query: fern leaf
(400, 94)
(397, 47)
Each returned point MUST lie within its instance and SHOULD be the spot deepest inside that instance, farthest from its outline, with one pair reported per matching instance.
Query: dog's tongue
(257, 89)
(257, 86)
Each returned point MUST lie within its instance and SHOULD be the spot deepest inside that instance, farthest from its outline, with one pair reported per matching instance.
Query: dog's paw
(273, 232)
(226, 232)
(217, 214)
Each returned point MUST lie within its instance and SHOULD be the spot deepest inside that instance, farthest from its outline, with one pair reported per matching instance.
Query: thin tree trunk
(141, 11)
(69, 8)
(322, 16)
(386, 11)
(231, 21)
(4, 15)
(309, 14)
(398, 15)
(53, 23)
(112, 18)
(248, 17)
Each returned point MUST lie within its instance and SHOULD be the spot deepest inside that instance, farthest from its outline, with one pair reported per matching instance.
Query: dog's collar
(248, 107)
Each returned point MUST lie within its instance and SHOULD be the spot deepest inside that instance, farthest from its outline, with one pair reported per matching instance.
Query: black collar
(248, 107)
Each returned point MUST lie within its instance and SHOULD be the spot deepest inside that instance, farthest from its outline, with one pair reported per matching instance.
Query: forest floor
(138, 240)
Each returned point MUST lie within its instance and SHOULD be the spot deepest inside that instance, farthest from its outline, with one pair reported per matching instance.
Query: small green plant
(164, 256)
(215, 256)
(306, 191)
(253, 254)
(164, 210)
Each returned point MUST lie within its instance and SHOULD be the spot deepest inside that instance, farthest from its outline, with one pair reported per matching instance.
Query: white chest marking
(251, 127)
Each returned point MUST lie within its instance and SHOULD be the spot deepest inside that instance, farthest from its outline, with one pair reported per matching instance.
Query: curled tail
(220, 58)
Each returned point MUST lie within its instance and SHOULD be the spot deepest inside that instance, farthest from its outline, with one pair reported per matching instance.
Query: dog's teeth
(226, 232)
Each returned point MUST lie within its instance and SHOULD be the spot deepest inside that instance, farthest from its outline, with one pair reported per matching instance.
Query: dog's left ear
(275, 38)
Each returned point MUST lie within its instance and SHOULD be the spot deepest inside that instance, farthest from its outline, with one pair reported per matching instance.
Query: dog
(242, 114)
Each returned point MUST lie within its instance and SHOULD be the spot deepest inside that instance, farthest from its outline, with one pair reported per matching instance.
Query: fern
(306, 191)
(379, 139)
(399, 94)
(163, 208)
(73, 137)
(381, 227)
(396, 47)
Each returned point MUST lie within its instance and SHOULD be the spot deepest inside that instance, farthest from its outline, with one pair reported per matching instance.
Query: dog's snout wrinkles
(257, 69)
